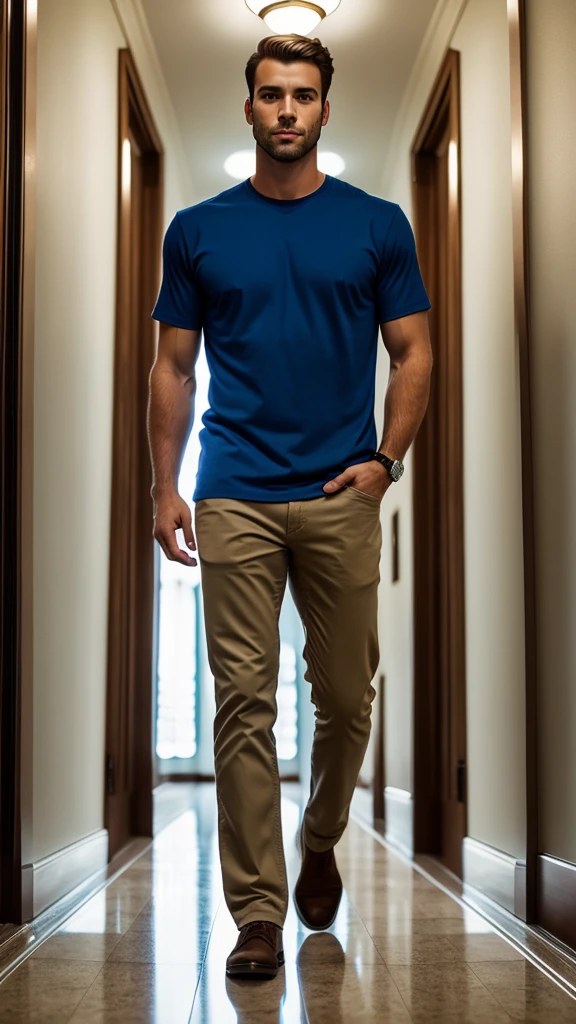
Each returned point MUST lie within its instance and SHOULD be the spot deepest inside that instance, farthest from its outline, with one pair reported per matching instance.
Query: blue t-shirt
(289, 294)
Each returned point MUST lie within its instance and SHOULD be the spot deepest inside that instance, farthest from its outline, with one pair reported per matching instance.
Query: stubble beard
(286, 152)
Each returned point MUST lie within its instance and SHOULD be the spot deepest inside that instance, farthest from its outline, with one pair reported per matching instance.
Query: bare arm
(408, 343)
(172, 386)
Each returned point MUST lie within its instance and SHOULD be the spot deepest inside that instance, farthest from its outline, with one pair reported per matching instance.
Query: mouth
(287, 134)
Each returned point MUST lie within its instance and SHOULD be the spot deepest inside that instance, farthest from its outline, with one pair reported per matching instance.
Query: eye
(305, 96)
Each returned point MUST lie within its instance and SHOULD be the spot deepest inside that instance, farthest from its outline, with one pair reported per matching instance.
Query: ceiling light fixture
(286, 16)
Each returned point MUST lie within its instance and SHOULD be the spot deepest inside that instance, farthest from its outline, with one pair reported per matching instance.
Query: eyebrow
(277, 88)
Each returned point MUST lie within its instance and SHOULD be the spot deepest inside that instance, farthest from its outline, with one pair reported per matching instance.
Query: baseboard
(557, 898)
(52, 877)
(399, 819)
(20, 941)
(494, 875)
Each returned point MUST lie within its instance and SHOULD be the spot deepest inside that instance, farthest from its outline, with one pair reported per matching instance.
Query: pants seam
(276, 775)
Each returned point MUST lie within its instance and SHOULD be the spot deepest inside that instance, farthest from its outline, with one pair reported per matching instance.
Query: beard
(282, 150)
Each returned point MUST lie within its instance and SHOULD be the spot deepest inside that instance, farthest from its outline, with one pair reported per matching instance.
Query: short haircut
(289, 49)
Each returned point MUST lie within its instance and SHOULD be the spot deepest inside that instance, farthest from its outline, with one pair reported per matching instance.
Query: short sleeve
(179, 300)
(399, 289)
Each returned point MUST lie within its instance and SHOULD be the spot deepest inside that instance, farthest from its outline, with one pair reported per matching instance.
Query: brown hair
(288, 49)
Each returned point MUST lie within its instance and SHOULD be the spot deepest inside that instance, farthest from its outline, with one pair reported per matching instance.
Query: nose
(287, 111)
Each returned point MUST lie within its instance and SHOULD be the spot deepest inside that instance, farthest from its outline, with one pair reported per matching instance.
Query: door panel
(129, 763)
(440, 720)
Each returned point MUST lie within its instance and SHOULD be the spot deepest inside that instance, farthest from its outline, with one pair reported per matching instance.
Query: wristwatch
(394, 466)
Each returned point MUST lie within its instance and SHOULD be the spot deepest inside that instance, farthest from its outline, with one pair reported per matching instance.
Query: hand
(170, 514)
(371, 477)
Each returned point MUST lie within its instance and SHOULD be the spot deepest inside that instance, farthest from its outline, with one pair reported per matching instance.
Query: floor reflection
(152, 947)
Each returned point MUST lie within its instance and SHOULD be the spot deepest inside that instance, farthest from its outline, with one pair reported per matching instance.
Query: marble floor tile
(151, 948)
(162, 913)
(350, 992)
(392, 923)
(525, 992)
(415, 949)
(446, 991)
(484, 947)
(45, 991)
(139, 994)
(104, 913)
(78, 946)
(161, 946)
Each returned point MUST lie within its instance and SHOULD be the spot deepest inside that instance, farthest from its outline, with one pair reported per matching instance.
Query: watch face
(397, 470)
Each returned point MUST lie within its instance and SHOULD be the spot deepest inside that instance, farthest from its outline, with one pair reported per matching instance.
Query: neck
(291, 180)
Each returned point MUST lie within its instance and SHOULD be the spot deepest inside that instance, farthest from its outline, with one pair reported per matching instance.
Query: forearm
(406, 403)
(170, 419)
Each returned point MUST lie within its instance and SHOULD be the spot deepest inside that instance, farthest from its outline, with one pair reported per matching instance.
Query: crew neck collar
(288, 203)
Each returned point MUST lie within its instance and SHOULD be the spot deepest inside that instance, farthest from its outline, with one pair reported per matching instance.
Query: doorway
(17, 268)
(439, 623)
(129, 765)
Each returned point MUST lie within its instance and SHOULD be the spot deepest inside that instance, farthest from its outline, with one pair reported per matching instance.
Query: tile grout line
(201, 971)
(528, 955)
(77, 1007)
(493, 994)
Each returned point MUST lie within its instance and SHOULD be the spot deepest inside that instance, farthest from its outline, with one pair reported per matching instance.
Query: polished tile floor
(151, 947)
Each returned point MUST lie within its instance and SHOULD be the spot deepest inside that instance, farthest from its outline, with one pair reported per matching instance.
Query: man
(289, 275)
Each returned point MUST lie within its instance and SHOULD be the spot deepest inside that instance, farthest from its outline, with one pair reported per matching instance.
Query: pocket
(365, 496)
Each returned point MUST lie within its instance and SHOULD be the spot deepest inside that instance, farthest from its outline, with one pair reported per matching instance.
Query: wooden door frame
(517, 49)
(132, 576)
(17, 254)
(444, 102)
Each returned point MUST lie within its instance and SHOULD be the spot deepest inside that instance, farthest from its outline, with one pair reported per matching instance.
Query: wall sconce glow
(242, 164)
(330, 163)
(126, 166)
(300, 16)
(453, 168)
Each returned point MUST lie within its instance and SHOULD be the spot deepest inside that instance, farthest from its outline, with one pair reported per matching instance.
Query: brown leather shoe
(318, 891)
(258, 951)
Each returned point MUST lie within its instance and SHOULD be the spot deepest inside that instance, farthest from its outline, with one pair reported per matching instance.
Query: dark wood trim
(17, 170)
(556, 881)
(517, 35)
(379, 766)
(439, 506)
(129, 763)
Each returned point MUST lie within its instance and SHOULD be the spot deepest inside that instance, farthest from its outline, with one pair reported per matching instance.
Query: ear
(325, 112)
(248, 110)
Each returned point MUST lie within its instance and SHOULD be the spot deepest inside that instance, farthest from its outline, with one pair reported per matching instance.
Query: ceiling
(203, 46)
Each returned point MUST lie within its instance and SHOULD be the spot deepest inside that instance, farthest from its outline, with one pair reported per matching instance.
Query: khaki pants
(328, 548)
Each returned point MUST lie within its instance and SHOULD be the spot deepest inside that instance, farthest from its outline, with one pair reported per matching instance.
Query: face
(287, 113)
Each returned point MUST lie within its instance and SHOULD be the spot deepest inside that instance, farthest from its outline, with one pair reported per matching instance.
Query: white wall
(492, 453)
(492, 490)
(74, 344)
(551, 39)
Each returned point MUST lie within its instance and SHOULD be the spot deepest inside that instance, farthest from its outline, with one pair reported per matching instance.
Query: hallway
(151, 946)
(119, 121)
